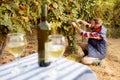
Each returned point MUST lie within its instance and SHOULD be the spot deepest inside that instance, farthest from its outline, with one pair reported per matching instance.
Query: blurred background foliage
(22, 15)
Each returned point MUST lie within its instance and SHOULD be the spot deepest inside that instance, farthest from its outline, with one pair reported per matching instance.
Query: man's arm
(86, 34)
(93, 35)
(82, 21)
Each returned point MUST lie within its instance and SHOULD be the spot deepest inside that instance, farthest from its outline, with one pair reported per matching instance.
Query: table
(70, 70)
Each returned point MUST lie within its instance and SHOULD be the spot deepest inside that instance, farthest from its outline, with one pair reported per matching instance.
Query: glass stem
(17, 67)
(17, 60)
(56, 65)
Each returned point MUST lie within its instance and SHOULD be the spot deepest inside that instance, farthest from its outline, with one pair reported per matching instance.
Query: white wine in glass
(15, 45)
(16, 48)
(54, 49)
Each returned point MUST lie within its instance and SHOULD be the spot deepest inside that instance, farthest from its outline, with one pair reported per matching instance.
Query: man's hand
(74, 24)
(82, 21)
(76, 27)
(78, 20)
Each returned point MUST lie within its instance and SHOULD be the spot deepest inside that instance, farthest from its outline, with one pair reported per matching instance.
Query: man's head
(96, 22)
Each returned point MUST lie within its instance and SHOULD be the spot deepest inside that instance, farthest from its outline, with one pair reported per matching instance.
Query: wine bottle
(44, 31)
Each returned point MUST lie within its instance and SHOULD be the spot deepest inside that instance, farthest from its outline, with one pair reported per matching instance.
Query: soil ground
(110, 69)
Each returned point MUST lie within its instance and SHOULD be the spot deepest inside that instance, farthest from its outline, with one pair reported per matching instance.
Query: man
(97, 45)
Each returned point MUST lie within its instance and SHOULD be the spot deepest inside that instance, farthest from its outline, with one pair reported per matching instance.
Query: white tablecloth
(68, 70)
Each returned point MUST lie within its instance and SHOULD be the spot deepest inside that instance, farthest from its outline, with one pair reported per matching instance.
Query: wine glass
(15, 45)
(54, 49)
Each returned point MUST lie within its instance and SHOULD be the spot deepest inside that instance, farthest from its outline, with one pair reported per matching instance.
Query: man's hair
(98, 21)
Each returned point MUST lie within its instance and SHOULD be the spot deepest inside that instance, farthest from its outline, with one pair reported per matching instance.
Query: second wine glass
(54, 49)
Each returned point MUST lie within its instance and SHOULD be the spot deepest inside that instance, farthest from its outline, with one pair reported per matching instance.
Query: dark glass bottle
(44, 31)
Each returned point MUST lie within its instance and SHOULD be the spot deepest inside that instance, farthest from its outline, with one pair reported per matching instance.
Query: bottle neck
(44, 19)
(44, 12)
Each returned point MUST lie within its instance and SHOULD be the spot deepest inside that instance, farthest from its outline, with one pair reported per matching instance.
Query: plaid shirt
(92, 34)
